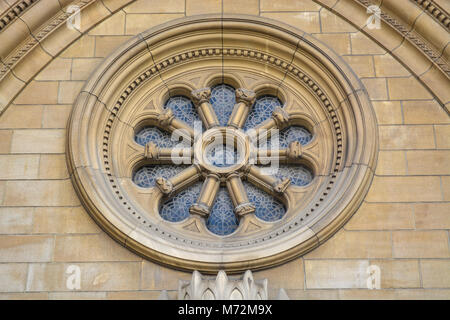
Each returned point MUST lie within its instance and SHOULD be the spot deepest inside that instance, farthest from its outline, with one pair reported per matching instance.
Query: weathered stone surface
(105, 276)
(68, 91)
(115, 25)
(361, 44)
(105, 45)
(289, 5)
(39, 92)
(305, 21)
(339, 42)
(90, 248)
(435, 273)
(354, 245)
(404, 189)
(22, 116)
(236, 7)
(62, 220)
(387, 66)
(362, 65)
(376, 87)
(53, 166)
(391, 163)
(202, 7)
(156, 6)
(82, 68)
(407, 88)
(333, 23)
(420, 244)
(156, 277)
(442, 136)
(57, 69)
(388, 112)
(406, 137)
(428, 162)
(40, 193)
(424, 112)
(382, 216)
(333, 274)
(432, 215)
(13, 277)
(16, 220)
(56, 116)
(398, 273)
(83, 47)
(136, 23)
(26, 248)
(5, 140)
(38, 141)
(19, 166)
(288, 276)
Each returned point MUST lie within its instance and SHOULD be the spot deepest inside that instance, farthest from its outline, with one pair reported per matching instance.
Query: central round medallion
(222, 150)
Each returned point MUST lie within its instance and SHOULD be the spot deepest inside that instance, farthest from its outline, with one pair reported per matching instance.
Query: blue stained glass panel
(183, 109)
(261, 111)
(300, 175)
(222, 220)
(152, 134)
(294, 133)
(288, 135)
(267, 208)
(145, 176)
(223, 99)
(177, 208)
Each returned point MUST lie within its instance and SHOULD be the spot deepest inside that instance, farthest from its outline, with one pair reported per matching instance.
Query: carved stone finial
(165, 118)
(201, 95)
(281, 186)
(164, 185)
(281, 117)
(222, 288)
(151, 151)
(244, 208)
(246, 96)
(294, 150)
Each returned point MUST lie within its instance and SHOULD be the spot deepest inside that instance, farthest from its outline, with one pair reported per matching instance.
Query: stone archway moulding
(421, 45)
(263, 55)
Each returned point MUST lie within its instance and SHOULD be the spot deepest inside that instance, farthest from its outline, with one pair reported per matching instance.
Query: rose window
(222, 142)
(224, 195)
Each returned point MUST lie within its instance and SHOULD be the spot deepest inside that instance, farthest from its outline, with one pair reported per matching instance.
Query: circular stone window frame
(294, 56)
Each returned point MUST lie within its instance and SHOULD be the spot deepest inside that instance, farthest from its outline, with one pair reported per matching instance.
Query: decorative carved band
(439, 14)
(14, 12)
(414, 38)
(32, 41)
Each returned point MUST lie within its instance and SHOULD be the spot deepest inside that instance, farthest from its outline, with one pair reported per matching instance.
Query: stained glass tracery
(222, 220)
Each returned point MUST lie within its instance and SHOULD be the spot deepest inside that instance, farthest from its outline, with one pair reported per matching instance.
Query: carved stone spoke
(204, 108)
(208, 194)
(167, 121)
(185, 178)
(244, 102)
(289, 155)
(242, 205)
(279, 120)
(156, 155)
(266, 181)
